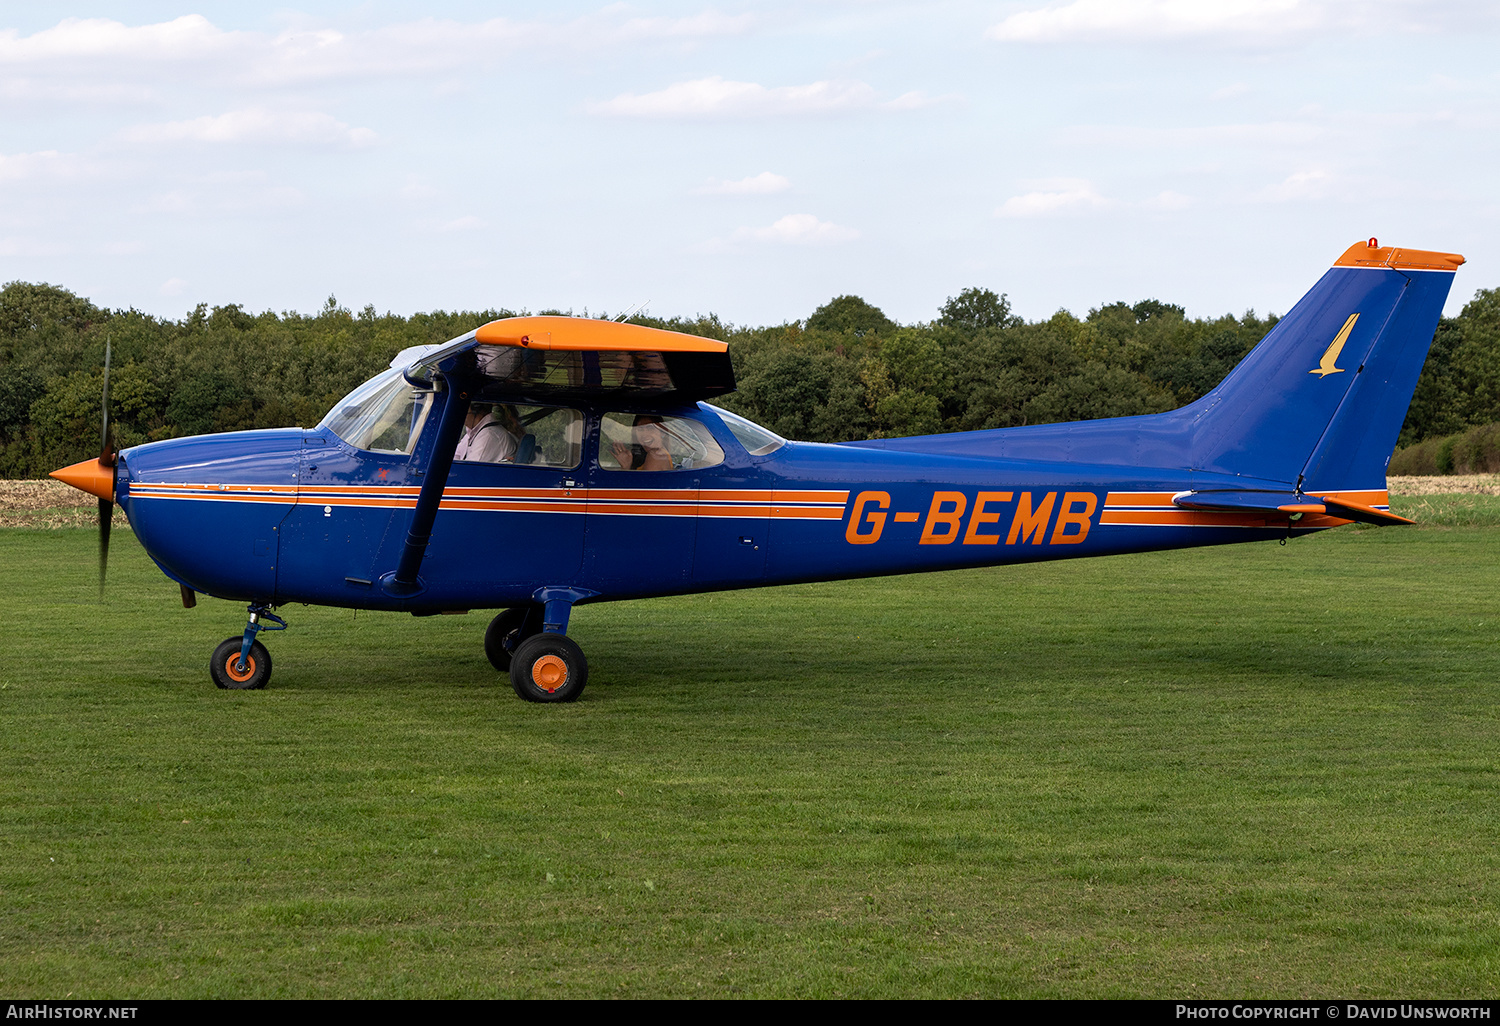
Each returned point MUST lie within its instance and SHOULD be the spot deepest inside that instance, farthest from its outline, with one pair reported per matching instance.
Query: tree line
(845, 372)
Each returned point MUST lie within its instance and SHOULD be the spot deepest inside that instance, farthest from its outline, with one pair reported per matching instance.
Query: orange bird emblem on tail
(1326, 366)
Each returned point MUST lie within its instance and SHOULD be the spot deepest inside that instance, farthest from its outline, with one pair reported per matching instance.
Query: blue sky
(750, 159)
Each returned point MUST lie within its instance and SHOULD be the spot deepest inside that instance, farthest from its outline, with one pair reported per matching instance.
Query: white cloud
(72, 39)
(797, 230)
(1168, 200)
(20, 166)
(1230, 92)
(20, 245)
(98, 59)
(174, 202)
(762, 184)
(27, 90)
(1066, 196)
(1259, 136)
(1313, 184)
(457, 224)
(255, 125)
(417, 190)
(698, 26)
(207, 195)
(718, 97)
(1114, 21)
(173, 287)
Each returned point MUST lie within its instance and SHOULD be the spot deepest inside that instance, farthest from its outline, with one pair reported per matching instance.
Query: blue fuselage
(297, 515)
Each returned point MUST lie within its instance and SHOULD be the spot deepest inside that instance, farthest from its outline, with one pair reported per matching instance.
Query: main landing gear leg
(506, 632)
(548, 666)
(243, 663)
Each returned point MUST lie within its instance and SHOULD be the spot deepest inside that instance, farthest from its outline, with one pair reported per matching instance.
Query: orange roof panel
(581, 334)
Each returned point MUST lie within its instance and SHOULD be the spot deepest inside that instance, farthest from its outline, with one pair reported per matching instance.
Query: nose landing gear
(243, 664)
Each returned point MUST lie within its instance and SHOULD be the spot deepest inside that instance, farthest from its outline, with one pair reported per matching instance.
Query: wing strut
(403, 581)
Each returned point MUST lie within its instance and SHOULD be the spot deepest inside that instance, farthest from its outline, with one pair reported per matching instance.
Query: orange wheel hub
(235, 675)
(548, 673)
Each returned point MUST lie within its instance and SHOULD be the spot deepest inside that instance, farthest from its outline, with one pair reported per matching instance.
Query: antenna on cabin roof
(632, 311)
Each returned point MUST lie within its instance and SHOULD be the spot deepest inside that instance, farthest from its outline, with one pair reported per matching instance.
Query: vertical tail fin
(1320, 401)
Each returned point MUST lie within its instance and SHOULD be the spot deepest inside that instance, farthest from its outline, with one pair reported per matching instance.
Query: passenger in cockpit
(648, 450)
(491, 435)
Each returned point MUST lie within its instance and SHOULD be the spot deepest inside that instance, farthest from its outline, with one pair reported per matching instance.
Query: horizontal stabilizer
(1263, 502)
(1346, 510)
(1289, 503)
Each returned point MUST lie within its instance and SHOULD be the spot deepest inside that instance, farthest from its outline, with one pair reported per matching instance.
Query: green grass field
(1249, 771)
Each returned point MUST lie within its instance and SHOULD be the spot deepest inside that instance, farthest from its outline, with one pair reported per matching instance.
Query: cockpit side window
(384, 415)
(538, 436)
(650, 441)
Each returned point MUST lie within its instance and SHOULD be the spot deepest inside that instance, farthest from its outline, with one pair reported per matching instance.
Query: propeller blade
(105, 448)
(106, 514)
(108, 460)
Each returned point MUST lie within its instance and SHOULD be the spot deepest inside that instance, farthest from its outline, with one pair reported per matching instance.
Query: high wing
(563, 358)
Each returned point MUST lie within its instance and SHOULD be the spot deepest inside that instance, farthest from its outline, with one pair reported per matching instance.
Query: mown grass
(1449, 510)
(1251, 771)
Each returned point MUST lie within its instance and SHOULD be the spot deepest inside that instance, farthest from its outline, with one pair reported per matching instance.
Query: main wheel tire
(503, 636)
(222, 666)
(548, 668)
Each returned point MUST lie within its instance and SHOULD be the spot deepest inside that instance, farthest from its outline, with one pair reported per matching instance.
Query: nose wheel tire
(503, 636)
(224, 665)
(548, 668)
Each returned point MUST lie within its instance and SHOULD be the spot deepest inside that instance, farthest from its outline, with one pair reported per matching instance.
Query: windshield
(756, 439)
(385, 414)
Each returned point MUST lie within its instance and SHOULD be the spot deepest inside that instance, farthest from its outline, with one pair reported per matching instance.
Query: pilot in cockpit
(491, 434)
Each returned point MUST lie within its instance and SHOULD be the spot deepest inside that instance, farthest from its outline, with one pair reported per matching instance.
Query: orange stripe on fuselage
(780, 495)
(1114, 499)
(751, 511)
(1379, 498)
(516, 507)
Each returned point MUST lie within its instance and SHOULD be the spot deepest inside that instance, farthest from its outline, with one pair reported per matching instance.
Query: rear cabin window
(758, 441)
(533, 436)
(647, 441)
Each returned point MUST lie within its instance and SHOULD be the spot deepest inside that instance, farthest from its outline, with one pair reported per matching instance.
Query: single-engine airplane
(538, 463)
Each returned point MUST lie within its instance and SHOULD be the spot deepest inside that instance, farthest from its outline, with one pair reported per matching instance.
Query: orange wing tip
(89, 476)
(581, 334)
(1362, 254)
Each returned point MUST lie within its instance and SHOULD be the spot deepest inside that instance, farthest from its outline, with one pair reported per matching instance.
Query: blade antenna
(632, 311)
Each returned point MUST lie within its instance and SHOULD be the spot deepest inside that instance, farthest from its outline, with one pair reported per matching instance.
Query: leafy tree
(847, 372)
(849, 314)
(1147, 309)
(975, 309)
